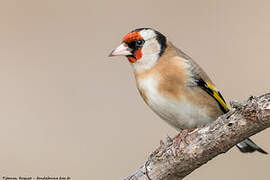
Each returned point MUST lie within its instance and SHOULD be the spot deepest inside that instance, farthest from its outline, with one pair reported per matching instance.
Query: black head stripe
(162, 41)
(140, 29)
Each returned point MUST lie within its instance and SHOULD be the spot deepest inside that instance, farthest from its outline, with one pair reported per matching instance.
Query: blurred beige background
(67, 109)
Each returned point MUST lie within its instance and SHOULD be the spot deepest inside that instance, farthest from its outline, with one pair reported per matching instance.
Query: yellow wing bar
(212, 91)
(216, 94)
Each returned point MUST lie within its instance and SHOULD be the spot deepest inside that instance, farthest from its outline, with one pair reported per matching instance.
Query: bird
(172, 84)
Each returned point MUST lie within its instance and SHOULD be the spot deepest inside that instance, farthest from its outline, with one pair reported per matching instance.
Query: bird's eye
(139, 42)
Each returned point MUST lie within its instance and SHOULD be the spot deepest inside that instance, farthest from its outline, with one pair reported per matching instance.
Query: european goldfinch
(172, 84)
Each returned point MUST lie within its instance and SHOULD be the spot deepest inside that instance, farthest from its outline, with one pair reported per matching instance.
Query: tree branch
(186, 152)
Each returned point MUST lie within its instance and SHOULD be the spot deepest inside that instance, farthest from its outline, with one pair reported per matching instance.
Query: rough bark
(178, 157)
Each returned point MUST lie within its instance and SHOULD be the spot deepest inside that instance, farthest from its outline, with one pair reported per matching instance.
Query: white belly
(181, 114)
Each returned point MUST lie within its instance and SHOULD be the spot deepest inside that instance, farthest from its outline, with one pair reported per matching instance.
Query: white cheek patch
(151, 47)
(150, 55)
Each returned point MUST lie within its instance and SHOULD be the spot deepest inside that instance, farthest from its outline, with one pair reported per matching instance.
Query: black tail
(248, 146)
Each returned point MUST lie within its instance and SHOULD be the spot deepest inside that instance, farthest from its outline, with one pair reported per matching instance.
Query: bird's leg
(181, 137)
(174, 143)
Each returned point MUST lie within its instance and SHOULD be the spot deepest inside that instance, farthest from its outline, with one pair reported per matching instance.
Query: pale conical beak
(122, 50)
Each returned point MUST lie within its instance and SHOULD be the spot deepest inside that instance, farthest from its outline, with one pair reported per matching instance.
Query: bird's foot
(181, 137)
